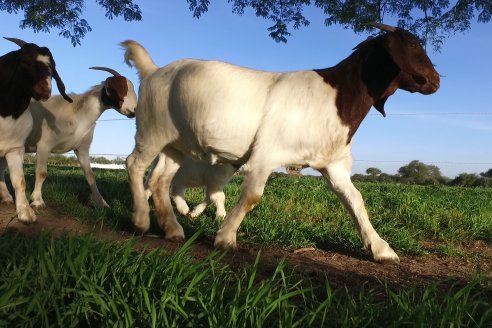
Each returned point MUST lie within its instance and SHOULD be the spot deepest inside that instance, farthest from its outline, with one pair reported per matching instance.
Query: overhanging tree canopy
(432, 20)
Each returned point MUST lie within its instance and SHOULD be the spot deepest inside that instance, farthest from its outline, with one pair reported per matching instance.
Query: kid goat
(60, 127)
(24, 74)
(196, 173)
(228, 114)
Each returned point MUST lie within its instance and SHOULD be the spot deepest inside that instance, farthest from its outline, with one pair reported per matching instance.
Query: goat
(59, 127)
(196, 173)
(24, 74)
(223, 113)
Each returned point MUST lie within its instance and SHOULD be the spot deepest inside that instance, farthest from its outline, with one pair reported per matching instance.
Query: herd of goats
(198, 121)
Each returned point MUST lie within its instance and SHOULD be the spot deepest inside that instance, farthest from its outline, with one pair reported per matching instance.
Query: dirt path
(351, 269)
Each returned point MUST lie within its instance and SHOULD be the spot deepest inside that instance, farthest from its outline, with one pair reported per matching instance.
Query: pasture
(299, 261)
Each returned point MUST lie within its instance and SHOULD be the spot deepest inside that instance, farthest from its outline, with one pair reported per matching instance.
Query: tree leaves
(43, 15)
(431, 20)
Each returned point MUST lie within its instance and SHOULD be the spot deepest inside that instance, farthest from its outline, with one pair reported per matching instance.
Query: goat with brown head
(408, 62)
(116, 90)
(25, 74)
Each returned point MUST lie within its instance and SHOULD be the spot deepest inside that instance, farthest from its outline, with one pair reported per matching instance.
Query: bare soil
(341, 267)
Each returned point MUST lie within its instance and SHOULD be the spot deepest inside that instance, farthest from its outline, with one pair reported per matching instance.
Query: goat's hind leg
(159, 186)
(5, 196)
(251, 192)
(136, 165)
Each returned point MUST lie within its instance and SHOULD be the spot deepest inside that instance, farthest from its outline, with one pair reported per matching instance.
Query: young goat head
(119, 93)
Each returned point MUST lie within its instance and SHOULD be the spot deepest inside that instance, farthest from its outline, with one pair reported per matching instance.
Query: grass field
(80, 281)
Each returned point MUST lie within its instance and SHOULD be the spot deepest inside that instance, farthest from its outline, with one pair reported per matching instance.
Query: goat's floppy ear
(61, 86)
(379, 105)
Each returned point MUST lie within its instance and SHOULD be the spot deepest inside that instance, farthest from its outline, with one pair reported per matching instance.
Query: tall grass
(78, 281)
(75, 281)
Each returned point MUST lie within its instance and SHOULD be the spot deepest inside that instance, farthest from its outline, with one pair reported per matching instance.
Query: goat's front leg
(159, 186)
(5, 196)
(15, 160)
(177, 194)
(251, 191)
(217, 196)
(42, 154)
(82, 154)
(337, 176)
(199, 208)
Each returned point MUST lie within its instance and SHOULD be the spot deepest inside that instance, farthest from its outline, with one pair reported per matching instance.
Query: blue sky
(451, 129)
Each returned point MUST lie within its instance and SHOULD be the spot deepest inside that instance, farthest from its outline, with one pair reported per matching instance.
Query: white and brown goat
(24, 74)
(223, 113)
(59, 127)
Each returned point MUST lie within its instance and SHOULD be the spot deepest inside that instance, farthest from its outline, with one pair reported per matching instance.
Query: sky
(451, 128)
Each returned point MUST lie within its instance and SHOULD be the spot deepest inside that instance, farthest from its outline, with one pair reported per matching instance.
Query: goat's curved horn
(382, 27)
(110, 70)
(18, 42)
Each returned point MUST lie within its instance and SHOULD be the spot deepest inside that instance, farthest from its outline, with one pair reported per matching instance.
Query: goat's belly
(14, 132)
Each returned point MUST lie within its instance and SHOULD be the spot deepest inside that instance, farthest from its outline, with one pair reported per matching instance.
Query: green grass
(302, 212)
(74, 281)
(78, 281)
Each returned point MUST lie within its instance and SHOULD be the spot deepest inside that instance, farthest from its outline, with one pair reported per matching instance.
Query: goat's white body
(14, 134)
(234, 108)
(228, 114)
(60, 127)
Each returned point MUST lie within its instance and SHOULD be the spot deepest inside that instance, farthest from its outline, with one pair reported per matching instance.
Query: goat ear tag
(379, 105)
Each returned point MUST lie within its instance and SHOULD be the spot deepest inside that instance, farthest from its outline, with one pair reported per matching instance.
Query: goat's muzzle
(427, 84)
(41, 91)
(431, 84)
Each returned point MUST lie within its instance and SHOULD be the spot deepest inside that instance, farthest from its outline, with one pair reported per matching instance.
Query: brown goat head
(417, 73)
(37, 67)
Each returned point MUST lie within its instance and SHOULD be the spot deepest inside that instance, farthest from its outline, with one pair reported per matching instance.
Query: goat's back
(217, 110)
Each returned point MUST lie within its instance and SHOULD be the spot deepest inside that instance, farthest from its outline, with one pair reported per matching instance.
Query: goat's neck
(12, 104)
(14, 98)
(361, 81)
(90, 105)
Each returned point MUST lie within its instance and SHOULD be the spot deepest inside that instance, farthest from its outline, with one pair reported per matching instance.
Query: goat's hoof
(225, 241)
(220, 216)
(26, 215)
(175, 234)
(183, 210)
(175, 239)
(383, 253)
(194, 214)
(38, 204)
(7, 201)
(141, 222)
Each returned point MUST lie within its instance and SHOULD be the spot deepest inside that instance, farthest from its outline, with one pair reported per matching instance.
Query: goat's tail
(136, 55)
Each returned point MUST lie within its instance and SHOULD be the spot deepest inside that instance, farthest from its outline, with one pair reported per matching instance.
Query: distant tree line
(64, 160)
(414, 172)
(420, 173)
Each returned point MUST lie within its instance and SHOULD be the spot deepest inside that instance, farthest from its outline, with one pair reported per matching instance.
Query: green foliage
(420, 173)
(66, 15)
(487, 174)
(432, 21)
(466, 179)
